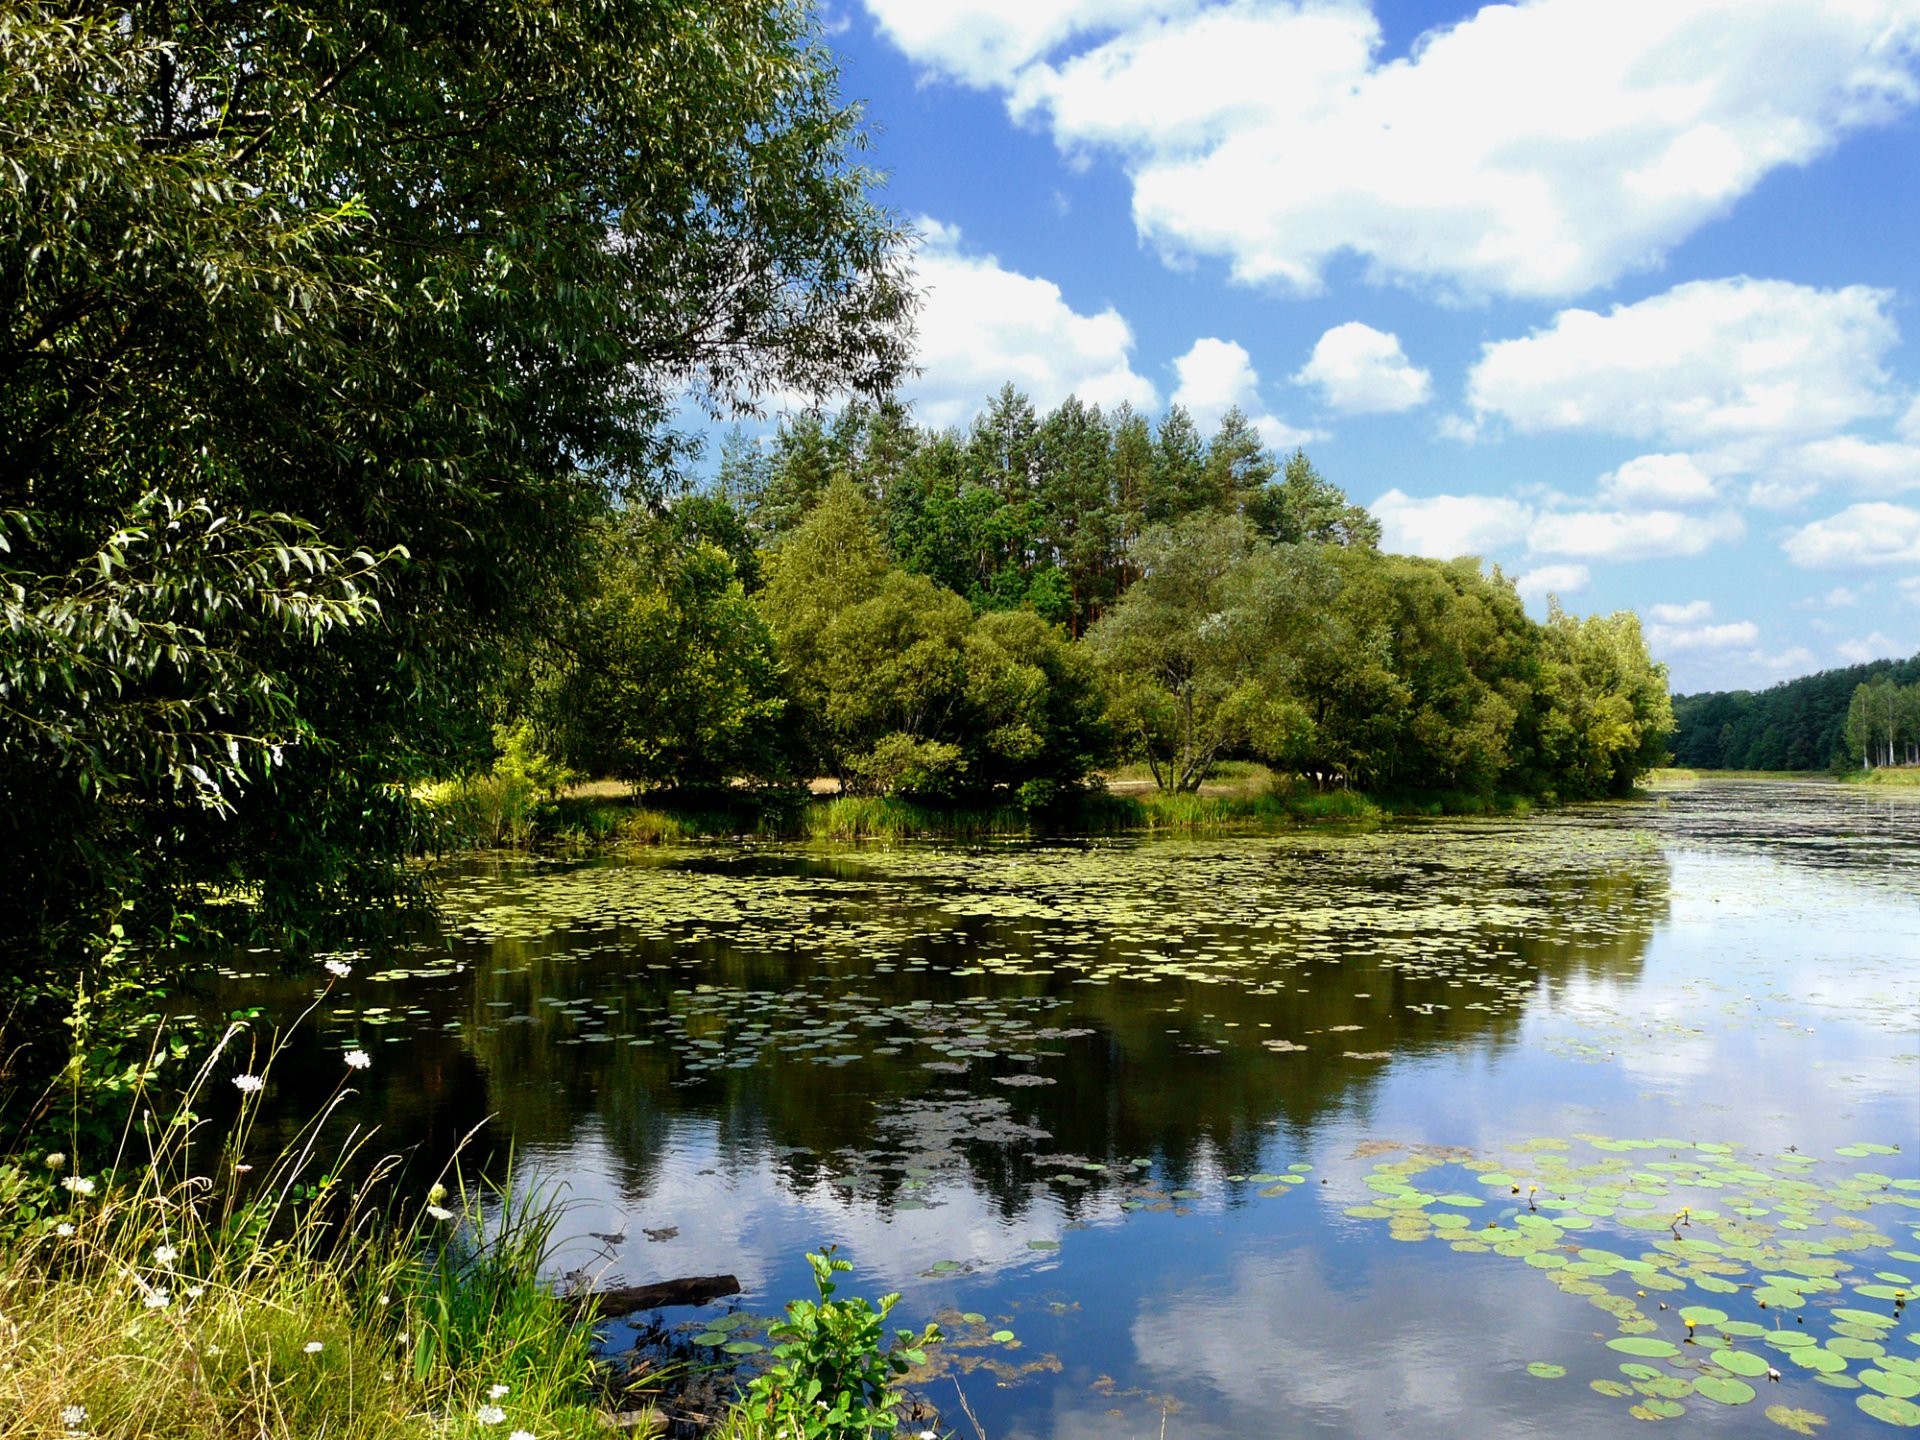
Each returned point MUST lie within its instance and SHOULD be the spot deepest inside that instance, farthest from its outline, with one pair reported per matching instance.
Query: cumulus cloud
(1361, 371)
(1536, 150)
(1877, 646)
(1665, 639)
(986, 42)
(1859, 537)
(1215, 376)
(1658, 480)
(983, 325)
(1445, 526)
(1691, 613)
(1707, 361)
(1625, 535)
(1537, 584)
(1869, 466)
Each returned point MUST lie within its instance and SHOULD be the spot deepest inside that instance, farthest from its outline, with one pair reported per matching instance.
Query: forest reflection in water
(1080, 1082)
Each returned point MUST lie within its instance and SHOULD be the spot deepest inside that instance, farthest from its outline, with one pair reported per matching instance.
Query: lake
(1533, 1126)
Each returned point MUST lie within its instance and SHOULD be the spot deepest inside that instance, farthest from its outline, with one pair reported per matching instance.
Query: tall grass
(167, 1289)
(1905, 777)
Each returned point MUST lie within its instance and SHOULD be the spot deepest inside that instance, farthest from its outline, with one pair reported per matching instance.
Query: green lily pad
(1545, 1370)
(1903, 1413)
(1741, 1362)
(1644, 1345)
(1724, 1391)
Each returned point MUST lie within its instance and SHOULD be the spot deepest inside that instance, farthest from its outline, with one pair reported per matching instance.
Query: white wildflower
(521, 1435)
(194, 1292)
(57, 1160)
(489, 1414)
(358, 1060)
(79, 1185)
(63, 1230)
(248, 1084)
(439, 1212)
(165, 1255)
(74, 1416)
(314, 1347)
(157, 1299)
(498, 1392)
(340, 968)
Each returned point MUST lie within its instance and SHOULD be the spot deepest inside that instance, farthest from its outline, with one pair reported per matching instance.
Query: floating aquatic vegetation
(1728, 1269)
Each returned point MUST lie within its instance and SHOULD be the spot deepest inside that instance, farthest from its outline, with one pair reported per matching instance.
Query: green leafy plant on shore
(831, 1378)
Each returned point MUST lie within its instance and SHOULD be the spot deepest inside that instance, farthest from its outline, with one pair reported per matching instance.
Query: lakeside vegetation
(346, 514)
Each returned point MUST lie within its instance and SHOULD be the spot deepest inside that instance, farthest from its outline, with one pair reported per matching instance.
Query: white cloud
(1537, 584)
(1860, 536)
(1707, 361)
(1739, 634)
(1658, 480)
(1445, 526)
(1540, 149)
(1877, 646)
(1870, 466)
(1362, 371)
(1691, 613)
(1215, 376)
(1909, 589)
(1621, 535)
(984, 42)
(1777, 494)
(1909, 426)
(983, 325)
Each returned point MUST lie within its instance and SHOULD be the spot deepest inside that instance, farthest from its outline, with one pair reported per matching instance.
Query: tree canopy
(326, 336)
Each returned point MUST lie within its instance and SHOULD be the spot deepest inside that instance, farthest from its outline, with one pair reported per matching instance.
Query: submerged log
(625, 1299)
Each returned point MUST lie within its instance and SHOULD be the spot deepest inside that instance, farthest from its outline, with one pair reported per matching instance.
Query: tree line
(1001, 610)
(1798, 724)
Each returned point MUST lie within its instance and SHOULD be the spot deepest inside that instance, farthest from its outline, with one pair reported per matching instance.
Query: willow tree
(338, 325)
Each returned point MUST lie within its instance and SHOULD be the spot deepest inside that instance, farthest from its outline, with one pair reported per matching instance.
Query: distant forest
(1795, 725)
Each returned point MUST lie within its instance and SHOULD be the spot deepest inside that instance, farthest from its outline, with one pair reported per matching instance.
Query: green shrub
(831, 1378)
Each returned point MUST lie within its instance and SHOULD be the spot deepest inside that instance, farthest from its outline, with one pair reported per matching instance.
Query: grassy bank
(163, 1290)
(187, 1296)
(1897, 777)
(491, 813)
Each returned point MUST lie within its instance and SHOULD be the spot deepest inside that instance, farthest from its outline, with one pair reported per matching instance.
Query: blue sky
(1617, 294)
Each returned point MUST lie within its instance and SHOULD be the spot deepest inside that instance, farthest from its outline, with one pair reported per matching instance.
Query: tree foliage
(1795, 725)
(304, 309)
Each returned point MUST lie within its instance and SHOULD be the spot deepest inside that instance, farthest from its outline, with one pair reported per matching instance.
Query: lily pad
(1723, 1391)
(1903, 1413)
(1644, 1345)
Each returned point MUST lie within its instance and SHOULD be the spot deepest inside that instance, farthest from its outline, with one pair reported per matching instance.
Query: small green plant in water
(831, 1379)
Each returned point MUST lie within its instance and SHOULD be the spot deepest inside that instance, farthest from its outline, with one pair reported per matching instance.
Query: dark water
(1312, 1134)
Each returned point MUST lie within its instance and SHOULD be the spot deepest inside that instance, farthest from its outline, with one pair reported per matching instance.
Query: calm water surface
(1316, 1134)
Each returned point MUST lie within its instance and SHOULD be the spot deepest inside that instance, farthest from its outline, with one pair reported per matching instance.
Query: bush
(831, 1379)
